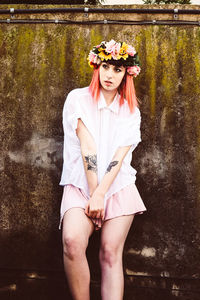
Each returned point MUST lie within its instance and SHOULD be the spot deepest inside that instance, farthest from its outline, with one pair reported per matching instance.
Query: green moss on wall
(78, 53)
(151, 63)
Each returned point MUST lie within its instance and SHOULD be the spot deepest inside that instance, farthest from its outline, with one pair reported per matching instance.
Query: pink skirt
(125, 202)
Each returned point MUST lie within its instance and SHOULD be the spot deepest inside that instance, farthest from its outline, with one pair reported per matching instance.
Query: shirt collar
(114, 106)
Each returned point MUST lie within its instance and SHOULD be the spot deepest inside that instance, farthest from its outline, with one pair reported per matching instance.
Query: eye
(105, 66)
(118, 70)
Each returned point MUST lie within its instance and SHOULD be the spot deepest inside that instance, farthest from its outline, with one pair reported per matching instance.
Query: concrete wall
(39, 65)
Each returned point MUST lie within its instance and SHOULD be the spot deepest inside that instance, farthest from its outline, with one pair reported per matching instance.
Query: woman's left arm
(110, 174)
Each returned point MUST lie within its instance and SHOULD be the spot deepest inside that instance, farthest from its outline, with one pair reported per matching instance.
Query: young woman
(101, 129)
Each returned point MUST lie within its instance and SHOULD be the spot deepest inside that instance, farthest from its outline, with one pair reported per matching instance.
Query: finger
(95, 221)
(102, 214)
(87, 209)
(90, 213)
(98, 214)
(93, 214)
(100, 223)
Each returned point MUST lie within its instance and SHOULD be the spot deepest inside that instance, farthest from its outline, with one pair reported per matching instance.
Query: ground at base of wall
(21, 288)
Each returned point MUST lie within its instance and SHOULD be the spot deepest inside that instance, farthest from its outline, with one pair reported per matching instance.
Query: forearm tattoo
(91, 161)
(111, 165)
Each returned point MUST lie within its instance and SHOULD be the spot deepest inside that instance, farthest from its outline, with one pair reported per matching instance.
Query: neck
(109, 96)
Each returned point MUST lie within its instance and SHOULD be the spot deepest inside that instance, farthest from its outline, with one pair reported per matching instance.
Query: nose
(109, 73)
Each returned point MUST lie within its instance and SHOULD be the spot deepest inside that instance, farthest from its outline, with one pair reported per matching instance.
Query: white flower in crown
(110, 45)
(113, 48)
(130, 50)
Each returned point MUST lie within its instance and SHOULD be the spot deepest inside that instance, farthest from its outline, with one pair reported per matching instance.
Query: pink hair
(126, 90)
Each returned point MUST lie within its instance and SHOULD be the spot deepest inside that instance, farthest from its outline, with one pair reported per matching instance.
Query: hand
(98, 223)
(95, 206)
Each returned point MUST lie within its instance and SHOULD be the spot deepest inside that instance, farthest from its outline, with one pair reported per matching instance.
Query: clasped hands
(95, 209)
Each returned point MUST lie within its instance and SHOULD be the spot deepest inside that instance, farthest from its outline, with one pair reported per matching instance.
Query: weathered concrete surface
(53, 286)
(39, 65)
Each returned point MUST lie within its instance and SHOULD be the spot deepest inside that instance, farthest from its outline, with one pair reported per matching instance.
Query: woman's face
(111, 76)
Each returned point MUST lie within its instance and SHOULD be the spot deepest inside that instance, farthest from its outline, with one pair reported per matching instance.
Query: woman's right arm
(95, 206)
(89, 155)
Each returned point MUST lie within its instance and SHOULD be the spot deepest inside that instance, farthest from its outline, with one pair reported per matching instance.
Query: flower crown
(112, 51)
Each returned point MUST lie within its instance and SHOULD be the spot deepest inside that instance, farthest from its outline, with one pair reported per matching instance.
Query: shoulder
(125, 111)
(78, 93)
(75, 96)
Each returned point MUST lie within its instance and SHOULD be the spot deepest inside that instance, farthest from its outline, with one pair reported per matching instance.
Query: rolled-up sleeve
(129, 131)
(71, 112)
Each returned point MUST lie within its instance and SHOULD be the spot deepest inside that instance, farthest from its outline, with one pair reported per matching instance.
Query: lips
(107, 82)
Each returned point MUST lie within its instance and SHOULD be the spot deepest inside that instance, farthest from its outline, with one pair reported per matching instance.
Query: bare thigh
(115, 231)
(76, 225)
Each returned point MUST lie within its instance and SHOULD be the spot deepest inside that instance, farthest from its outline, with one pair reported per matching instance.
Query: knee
(109, 255)
(73, 247)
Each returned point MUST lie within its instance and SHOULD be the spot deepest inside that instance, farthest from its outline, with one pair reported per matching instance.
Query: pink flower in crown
(93, 58)
(115, 51)
(131, 50)
(135, 70)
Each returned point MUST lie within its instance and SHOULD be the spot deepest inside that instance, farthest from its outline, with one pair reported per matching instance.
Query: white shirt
(110, 126)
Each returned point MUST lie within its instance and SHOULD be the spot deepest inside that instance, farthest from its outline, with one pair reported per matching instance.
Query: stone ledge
(33, 285)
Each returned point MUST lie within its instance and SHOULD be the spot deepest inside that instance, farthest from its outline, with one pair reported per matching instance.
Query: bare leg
(114, 233)
(77, 228)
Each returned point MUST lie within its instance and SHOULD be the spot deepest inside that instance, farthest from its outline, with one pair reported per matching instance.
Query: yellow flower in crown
(102, 55)
(123, 51)
(101, 49)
